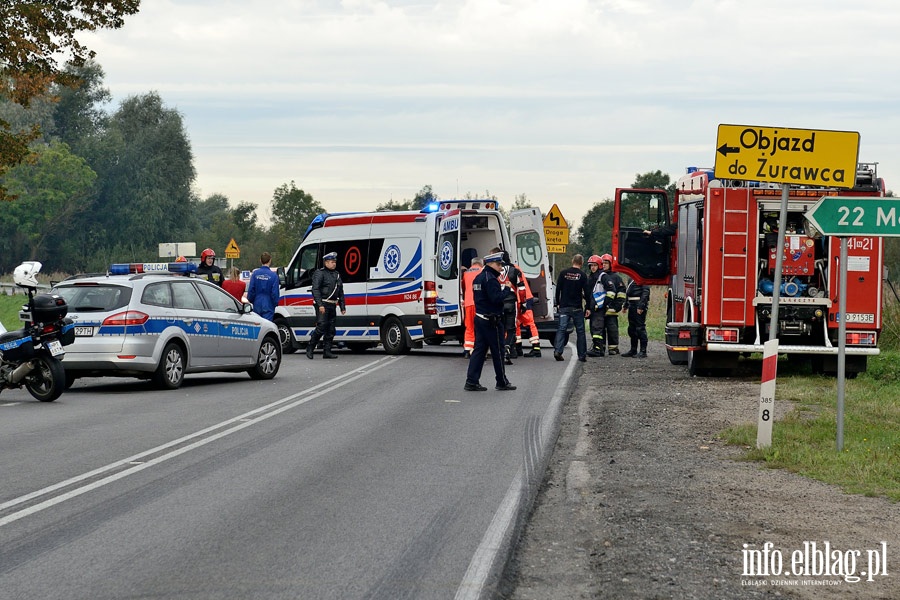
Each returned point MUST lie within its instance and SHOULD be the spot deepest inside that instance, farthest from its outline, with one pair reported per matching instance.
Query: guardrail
(11, 289)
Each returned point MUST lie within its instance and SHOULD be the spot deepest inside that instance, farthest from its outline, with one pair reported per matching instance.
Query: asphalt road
(365, 477)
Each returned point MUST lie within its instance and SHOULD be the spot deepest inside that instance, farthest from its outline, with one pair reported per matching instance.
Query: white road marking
(260, 414)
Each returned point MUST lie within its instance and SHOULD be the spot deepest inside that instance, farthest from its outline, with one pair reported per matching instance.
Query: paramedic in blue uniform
(328, 295)
(489, 332)
(262, 292)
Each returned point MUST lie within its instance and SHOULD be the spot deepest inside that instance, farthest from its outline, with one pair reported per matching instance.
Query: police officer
(208, 269)
(638, 300)
(328, 294)
(489, 332)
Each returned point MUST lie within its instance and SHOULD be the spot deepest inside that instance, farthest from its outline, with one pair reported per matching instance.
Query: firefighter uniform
(638, 297)
(615, 301)
(489, 296)
(328, 295)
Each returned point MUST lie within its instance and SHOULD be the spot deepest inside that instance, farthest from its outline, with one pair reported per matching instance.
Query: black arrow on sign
(725, 149)
(555, 219)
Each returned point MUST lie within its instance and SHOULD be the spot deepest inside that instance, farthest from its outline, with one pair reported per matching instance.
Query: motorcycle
(32, 356)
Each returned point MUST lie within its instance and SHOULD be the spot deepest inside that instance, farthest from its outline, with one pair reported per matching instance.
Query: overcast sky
(363, 101)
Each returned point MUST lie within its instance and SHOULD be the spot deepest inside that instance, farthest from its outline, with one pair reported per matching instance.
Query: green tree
(145, 165)
(50, 190)
(521, 202)
(35, 36)
(292, 211)
(594, 234)
(78, 114)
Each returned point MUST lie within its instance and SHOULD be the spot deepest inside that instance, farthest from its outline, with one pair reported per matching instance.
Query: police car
(155, 321)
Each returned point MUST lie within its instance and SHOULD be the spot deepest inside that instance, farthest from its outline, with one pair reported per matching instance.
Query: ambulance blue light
(432, 207)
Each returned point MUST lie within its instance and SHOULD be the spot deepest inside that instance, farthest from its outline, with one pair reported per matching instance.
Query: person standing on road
(598, 305)
(638, 297)
(572, 295)
(469, 304)
(489, 332)
(233, 285)
(328, 295)
(208, 269)
(615, 301)
(263, 290)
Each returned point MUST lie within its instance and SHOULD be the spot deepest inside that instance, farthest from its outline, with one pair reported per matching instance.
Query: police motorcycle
(32, 356)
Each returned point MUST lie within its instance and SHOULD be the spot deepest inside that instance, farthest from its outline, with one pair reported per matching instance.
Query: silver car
(161, 327)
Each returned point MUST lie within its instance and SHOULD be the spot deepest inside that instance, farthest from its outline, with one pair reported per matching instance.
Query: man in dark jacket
(489, 330)
(572, 295)
(638, 300)
(328, 295)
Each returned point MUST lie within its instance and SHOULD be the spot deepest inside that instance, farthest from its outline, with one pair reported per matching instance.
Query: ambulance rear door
(529, 250)
(447, 271)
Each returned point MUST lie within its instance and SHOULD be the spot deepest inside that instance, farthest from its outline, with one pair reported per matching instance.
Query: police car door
(528, 247)
(447, 271)
(200, 327)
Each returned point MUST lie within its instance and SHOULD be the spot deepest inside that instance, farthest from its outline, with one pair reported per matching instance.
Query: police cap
(330, 256)
(495, 257)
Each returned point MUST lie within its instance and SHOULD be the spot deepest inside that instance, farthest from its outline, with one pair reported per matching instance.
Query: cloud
(362, 101)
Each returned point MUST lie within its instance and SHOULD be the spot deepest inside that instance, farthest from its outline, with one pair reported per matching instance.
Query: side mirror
(246, 308)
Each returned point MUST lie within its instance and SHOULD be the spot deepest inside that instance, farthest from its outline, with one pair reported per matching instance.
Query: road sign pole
(842, 344)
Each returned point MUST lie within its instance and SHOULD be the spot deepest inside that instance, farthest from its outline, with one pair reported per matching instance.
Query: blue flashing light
(183, 268)
(432, 207)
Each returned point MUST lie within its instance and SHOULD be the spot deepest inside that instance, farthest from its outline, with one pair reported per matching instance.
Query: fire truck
(719, 262)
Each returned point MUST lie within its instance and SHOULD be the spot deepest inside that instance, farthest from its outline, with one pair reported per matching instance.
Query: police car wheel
(393, 336)
(286, 337)
(170, 372)
(268, 360)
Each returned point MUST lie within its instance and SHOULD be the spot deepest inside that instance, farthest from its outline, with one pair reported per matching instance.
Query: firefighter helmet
(606, 258)
(207, 252)
(596, 260)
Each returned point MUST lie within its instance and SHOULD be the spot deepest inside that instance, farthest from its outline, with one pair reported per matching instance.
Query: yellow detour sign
(556, 231)
(779, 155)
(232, 250)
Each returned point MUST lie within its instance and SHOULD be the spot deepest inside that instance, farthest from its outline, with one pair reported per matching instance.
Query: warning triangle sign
(232, 250)
(554, 218)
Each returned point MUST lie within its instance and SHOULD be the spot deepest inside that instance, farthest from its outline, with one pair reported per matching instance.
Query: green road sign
(853, 216)
(781, 155)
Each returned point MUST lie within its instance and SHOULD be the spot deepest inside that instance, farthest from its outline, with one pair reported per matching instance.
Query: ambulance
(402, 271)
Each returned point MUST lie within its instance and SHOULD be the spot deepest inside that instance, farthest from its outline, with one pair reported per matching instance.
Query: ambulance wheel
(286, 337)
(393, 336)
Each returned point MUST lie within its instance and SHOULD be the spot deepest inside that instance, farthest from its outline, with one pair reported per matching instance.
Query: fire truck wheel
(695, 363)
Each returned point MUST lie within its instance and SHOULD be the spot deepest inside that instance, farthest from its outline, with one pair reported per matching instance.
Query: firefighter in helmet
(208, 269)
(597, 286)
(615, 301)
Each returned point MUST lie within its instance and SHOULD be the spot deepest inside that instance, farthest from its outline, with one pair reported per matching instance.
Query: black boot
(310, 348)
(642, 353)
(630, 354)
(326, 352)
(519, 351)
(535, 352)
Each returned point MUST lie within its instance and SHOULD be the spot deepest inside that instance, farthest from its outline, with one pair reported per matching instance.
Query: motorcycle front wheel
(48, 379)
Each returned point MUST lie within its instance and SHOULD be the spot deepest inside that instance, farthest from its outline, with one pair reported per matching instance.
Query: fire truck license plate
(860, 318)
(55, 348)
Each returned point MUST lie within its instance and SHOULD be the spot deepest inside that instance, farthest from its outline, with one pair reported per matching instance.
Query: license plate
(860, 317)
(448, 321)
(55, 348)
(84, 331)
